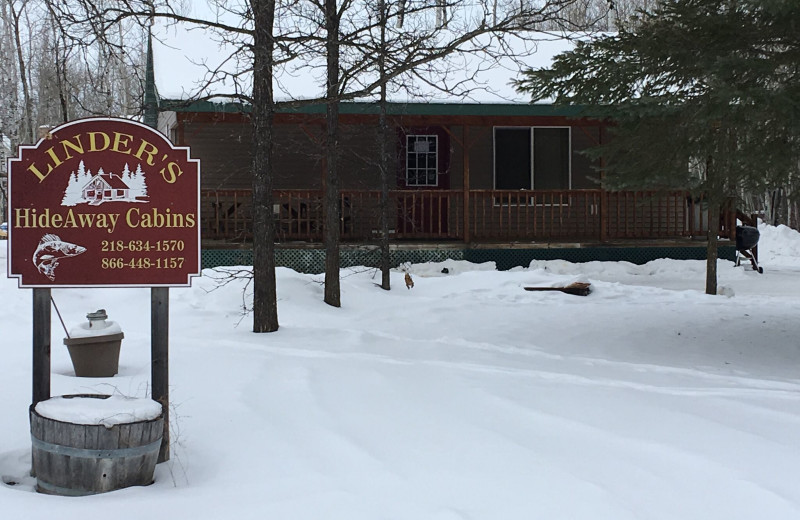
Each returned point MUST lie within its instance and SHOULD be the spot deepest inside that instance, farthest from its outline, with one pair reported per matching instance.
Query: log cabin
(462, 176)
(487, 179)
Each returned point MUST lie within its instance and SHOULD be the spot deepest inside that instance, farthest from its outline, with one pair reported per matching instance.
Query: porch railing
(477, 215)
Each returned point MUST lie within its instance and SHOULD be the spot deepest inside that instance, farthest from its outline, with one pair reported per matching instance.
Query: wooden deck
(474, 217)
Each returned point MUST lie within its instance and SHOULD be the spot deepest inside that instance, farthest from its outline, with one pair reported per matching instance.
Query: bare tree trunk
(331, 197)
(383, 135)
(716, 196)
(60, 65)
(441, 13)
(61, 80)
(712, 247)
(9, 103)
(28, 133)
(777, 200)
(265, 298)
(401, 12)
(122, 76)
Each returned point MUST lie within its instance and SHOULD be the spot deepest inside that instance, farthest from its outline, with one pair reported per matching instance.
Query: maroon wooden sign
(104, 202)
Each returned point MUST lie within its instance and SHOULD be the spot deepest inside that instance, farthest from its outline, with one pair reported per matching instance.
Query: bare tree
(103, 65)
(49, 76)
(247, 29)
(339, 38)
(13, 14)
(333, 16)
(411, 48)
(265, 306)
(383, 137)
(9, 76)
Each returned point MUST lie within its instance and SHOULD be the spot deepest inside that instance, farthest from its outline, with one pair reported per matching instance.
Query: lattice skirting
(313, 260)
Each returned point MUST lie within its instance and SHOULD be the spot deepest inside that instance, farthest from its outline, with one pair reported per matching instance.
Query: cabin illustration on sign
(83, 187)
(105, 187)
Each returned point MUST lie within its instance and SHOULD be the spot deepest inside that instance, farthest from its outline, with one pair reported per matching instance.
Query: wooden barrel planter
(72, 459)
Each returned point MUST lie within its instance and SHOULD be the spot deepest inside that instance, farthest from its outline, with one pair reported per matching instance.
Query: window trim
(531, 151)
(408, 151)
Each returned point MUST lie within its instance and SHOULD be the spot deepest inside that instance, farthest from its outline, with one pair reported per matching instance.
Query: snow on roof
(185, 56)
(113, 180)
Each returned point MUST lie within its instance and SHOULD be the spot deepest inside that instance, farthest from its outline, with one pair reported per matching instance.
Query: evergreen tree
(126, 175)
(704, 96)
(73, 192)
(84, 176)
(137, 185)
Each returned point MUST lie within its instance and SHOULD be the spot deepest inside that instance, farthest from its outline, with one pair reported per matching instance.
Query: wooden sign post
(104, 203)
(41, 345)
(159, 359)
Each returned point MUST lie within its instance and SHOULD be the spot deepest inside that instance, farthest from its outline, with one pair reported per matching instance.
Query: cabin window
(120, 193)
(422, 159)
(107, 193)
(535, 158)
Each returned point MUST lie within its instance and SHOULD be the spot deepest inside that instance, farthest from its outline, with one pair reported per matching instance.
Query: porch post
(465, 152)
(603, 214)
(603, 193)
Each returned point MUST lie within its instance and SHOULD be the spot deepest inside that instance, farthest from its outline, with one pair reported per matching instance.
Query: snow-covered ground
(464, 398)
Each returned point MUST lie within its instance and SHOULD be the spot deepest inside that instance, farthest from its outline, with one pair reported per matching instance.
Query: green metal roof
(416, 109)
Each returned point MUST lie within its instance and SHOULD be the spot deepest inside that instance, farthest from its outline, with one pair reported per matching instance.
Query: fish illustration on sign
(52, 249)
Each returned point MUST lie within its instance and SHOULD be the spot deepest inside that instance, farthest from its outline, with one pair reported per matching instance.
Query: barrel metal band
(64, 492)
(96, 454)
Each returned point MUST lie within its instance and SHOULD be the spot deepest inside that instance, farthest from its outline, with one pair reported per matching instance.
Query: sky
(463, 398)
(185, 55)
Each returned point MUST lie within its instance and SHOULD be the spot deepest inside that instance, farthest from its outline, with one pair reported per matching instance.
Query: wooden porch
(473, 217)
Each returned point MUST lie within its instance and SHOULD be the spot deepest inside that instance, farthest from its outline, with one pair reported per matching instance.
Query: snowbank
(466, 397)
(778, 245)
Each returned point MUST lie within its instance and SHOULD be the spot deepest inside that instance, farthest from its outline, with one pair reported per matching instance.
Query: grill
(746, 242)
